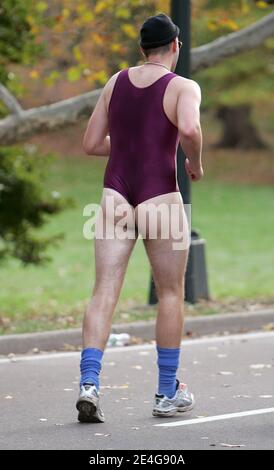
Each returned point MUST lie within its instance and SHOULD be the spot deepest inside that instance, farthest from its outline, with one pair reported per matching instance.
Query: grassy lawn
(236, 220)
(237, 223)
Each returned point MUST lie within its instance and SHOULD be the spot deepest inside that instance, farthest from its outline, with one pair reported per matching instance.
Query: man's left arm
(96, 139)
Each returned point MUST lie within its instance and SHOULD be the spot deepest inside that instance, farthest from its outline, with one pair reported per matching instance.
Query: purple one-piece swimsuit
(142, 161)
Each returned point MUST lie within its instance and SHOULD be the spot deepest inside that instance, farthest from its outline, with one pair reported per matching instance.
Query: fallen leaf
(136, 340)
(268, 327)
(69, 347)
(5, 322)
(189, 333)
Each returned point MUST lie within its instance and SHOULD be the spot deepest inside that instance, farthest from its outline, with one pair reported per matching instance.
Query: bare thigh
(167, 250)
(112, 249)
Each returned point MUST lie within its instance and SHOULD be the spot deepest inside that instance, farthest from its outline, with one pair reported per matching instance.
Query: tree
(236, 84)
(17, 43)
(20, 124)
(23, 204)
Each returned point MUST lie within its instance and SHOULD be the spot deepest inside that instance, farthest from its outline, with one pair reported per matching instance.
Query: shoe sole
(164, 414)
(88, 412)
(167, 414)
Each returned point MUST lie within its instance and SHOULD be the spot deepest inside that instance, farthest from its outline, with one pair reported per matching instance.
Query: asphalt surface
(231, 377)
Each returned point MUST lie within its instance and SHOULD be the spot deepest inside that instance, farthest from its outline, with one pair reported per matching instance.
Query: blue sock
(168, 363)
(90, 366)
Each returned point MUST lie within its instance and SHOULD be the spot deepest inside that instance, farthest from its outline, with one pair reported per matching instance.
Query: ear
(174, 46)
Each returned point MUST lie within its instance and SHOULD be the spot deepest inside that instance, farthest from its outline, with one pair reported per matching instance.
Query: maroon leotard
(142, 161)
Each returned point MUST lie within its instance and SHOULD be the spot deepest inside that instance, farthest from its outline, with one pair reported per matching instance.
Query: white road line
(147, 347)
(216, 418)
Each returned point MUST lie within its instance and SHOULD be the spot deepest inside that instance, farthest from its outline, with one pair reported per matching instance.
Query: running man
(141, 116)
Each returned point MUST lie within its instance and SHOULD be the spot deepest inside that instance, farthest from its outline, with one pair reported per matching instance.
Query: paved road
(231, 377)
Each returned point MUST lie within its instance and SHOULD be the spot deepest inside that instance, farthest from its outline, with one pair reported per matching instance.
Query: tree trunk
(238, 130)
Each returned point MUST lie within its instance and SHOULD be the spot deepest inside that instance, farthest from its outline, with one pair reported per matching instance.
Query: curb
(218, 324)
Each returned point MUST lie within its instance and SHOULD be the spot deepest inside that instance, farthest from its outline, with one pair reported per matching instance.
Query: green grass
(236, 221)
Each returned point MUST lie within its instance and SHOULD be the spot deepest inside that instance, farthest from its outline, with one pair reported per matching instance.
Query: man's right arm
(189, 127)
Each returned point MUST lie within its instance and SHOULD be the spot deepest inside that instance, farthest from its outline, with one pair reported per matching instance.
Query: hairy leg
(111, 260)
(168, 265)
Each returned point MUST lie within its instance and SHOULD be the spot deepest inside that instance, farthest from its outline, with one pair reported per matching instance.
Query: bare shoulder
(113, 78)
(110, 83)
(108, 88)
(189, 86)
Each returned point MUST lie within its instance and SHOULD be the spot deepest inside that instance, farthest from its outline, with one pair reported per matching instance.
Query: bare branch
(25, 123)
(18, 127)
(232, 44)
(9, 100)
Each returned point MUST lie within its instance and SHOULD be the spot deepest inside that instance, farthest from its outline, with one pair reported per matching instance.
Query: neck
(160, 60)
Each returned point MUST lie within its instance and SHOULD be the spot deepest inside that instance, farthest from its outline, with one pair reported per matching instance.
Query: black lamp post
(196, 285)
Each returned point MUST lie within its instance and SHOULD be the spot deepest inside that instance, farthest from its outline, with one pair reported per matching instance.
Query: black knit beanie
(157, 31)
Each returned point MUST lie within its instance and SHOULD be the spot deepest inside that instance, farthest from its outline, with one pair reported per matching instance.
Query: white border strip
(216, 418)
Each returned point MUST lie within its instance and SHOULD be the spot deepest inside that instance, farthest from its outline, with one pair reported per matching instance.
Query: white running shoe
(182, 401)
(88, 405)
